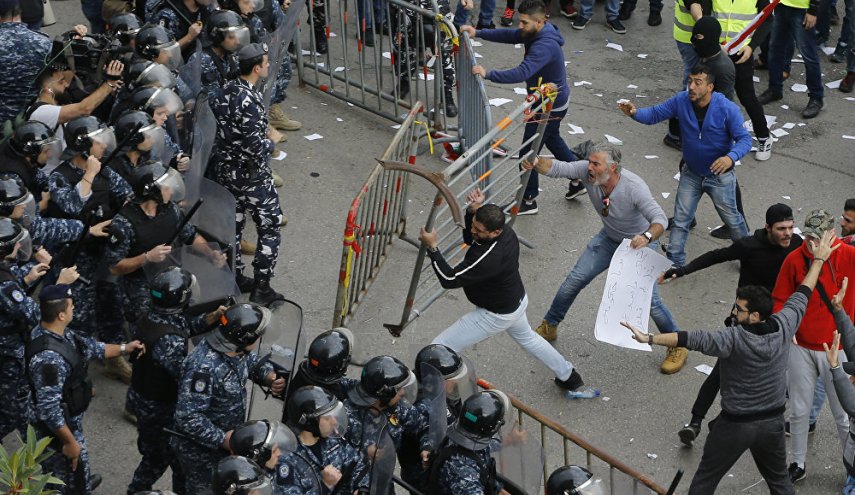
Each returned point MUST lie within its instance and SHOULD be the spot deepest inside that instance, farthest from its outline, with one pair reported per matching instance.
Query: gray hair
(613, 154)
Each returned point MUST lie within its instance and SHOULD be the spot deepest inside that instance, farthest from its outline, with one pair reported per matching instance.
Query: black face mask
(705, 36)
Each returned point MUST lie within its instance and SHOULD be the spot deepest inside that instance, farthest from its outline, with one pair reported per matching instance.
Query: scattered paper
(321, 65)
(799, 88)
(665, 195)
(430, 62)
(651, 157)
(338, 69)
(280, 156)
(606, 399)
(575, 129)
(520, 91)
(478, 55)
(738, 163)
(339, 119)
(313, 137)
(652, 456)
(566, 63)
(677, 176)
(477, 43)
(847, 136)
(770, 121)
(642, 55)
(828, 50)
(580, 83)
(802, 124)
(622, 101)
(349, 103)
(785, 107)
(497, 102)
(613, 139)
(641, 96)
(598, 94)
(396, 126)
(834, 84)
(631, 86)
(755, 78)
(787, 198)
(332, 34)
(850, 98)
(387, 55)
(430, 76)
(704, 368)
(779, 133)
(614, 46)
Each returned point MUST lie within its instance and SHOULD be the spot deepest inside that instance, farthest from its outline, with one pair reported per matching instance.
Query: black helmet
(152, 178)
(223, 23)
(149, 99)
(12, 233)
(30, 139)
(151, 39)
(124, 27)
(235, 6)
(236, 475)
(307, 405)
(480, 419)
(145, 73)
(441, 357)
(13, 193)
(80, 132)
(135, 125)
(382, 378)
(239, 327)
(573, 480)
(329, 356)
(171, 290)
(257, 440)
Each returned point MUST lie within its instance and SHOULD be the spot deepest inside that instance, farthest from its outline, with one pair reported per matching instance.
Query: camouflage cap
(817, 223)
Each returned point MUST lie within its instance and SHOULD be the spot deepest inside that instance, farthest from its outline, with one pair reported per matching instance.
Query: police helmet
(150, 99)
(573, 480)
(30, 139)
(309, 405)
(144, 180)
(13, 233)
(124, 27)
(441, 357)
(480, 419)
(152, 39)
(145, 73)
(172, 289)
(257, 440)
(224, 23)
(239, 327)
(133, 126)
(329, 356)
(382, 378)
(81, 131)
(237, 475)
(13, 193)
(243, 7)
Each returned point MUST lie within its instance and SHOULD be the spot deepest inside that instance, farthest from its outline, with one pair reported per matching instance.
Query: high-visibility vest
(683, 23)
(797, 4)
(734, 16)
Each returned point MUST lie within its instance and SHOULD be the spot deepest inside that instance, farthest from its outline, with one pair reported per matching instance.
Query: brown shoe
(117, 368)
(547, 331)
(247, 247)
(279, 120)
(674, 360)
(275, 136)
(284, 221)
(277, 180)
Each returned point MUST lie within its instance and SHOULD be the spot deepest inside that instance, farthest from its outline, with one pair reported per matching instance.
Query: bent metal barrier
(474, 120)
(368, 76)
(505, 188)
(376, 216)
(622, 479)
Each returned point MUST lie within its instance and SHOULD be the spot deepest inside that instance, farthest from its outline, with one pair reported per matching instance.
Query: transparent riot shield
(191, 72)
(432, 393)
(277, 45)
(280, 346)
(204, 132)
(215, 218)
(520, 460)
(382, 457)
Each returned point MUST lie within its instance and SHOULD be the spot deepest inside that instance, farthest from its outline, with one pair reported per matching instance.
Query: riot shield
(277, 44)
(215, 218)
(280, 346)
(204, 133)
(520, 460)
(381, 457)
(432, 392)
(191, 72)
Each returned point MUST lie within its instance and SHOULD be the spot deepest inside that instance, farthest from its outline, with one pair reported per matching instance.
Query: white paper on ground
(580, 83)
(520, 91)
(429, 76)
(850, 98)
(799, 88)
(627, 294)
(704, 368)
(313, 137)
(478, 55)
(779, 132)
(642, 55)
(332, 34)
(430, 62)
(575, 129)
(665, 195)
(641, 96)
(338, 69)
(396, 126)
(770, 121)
(387, 55)
(788, 125)
(280, 156)
(339, 119)
(598, 94)
(631, 86)
(785, 107)
(828, 50)
(613, 139)
(614, 46)
(651, 157)
(566, 63)
(677, 176)
(497, 102)
(847, 136)
(787, 198)
(833, 84)
(477, 43)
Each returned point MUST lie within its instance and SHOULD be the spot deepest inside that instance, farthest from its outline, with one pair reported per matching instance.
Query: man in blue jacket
(543, 63)
(713, 140)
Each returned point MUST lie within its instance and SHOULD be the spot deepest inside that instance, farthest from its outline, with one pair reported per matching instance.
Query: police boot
(280, 121)
(450, 107)
(403, 87)
(247, 247)
(321, 41)
(118, 368)
(245, 284)
(263, 294)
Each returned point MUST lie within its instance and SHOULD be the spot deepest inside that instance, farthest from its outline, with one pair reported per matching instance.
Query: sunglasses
(606, 203)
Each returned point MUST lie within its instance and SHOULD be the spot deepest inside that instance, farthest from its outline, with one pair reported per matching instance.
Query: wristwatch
(650, 338)
(123, 349)
(649, 236)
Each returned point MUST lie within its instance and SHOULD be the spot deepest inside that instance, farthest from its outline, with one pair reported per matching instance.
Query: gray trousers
(726, 443)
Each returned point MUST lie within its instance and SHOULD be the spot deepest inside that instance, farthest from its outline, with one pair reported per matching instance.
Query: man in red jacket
(805, 360)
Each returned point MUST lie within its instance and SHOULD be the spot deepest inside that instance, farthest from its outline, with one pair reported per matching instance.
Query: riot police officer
(212, 394)
(262, 441)
(326, 364)
(141, 136)
(29, 149)
(237, 475)
(153, 42)
(464, 463)
(162, 104)
(573, 480)
(57, 361)
(154, 385)
(183, 20)
(241, 163)
(226, 34)
(124, 28)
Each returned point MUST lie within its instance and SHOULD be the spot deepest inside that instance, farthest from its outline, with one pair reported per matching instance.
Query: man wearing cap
(22, 56)
(760, 257)
(807, 362)
(57, 361)
(241, 162)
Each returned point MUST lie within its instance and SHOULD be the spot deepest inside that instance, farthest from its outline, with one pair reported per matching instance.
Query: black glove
(673, 272)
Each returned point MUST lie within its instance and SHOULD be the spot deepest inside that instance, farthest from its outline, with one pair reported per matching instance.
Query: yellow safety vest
(733, 15)
(683, 23)
(796, 4)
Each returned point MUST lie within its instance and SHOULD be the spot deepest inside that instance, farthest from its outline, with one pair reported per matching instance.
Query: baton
(186, 219)
(675, 482)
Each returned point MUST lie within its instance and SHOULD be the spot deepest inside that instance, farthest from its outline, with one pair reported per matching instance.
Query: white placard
(627, 295)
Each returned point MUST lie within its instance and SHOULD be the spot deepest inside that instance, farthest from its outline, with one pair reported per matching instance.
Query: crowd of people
(98, 141)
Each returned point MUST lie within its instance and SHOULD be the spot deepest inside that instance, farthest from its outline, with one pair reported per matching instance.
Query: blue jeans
(594, 261)
(485, 15)
(379, 12)
(787, 24)
(92, 11)
(586, 9)
(722, 191)
(552, 140)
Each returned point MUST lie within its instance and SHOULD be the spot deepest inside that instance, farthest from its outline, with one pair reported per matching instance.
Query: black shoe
(673, 142)
(385, 28)
(837, 57)
(368, 37)
(812, 109)
(811, 428)
(450, 107)
(625, 11)
(528, 208)
(244, 283)
(264, 295)
(321, 43)
(403, 87)
(574, 190)
(654, 19)
(722, 232)
(574, 382)
(580, 22)
(769, 96)
(796, 473)
(616, 26)
(491, 25)
(689, 433)
(691, 225)
(95, 481)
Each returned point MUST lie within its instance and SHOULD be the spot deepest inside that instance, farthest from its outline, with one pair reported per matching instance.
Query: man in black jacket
(490, 277)
(760, 257)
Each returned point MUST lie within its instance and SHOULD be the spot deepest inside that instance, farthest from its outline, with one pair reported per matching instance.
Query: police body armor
(77, 389)
(227, 69)
(266, 16)
(14, 164)
(487, 474)
(150, 232)
(148, 379)
(183, 15)
(99, 204)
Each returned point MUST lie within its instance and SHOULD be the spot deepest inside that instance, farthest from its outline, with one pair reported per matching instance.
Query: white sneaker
(764, 149)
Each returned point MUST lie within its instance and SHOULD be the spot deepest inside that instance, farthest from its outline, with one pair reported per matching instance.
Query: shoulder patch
(50, 375)
(17, 296)
(283, 471)
(200, 383)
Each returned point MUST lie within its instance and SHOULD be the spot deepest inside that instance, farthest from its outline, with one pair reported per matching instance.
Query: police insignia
(17, 295)
(199, 386)
(284, 471)
(393, 420)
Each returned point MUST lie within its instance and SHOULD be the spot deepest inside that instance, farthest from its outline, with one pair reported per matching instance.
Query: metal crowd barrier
(474, 120)
(367, 76)
(376, 216)
(505, 188)
(622, 479)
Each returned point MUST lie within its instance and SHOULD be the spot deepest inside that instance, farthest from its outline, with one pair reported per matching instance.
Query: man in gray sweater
(753, 357)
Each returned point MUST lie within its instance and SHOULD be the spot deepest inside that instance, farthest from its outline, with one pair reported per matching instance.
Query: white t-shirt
(49, 115)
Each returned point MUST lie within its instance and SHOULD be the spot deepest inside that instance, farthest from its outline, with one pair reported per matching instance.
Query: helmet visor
(106, 138)
(281, 437)
(156, 75)
(28, 211)
(593, 486)
(248, 6)
(333, 423)
(239, 33)
(153, 137)
(50, 149)
(410, 388)
(25, 247)
(195, 291)
(171, 186)
(462, 384)
(167, 99)
(170, 55)
(261, 487)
